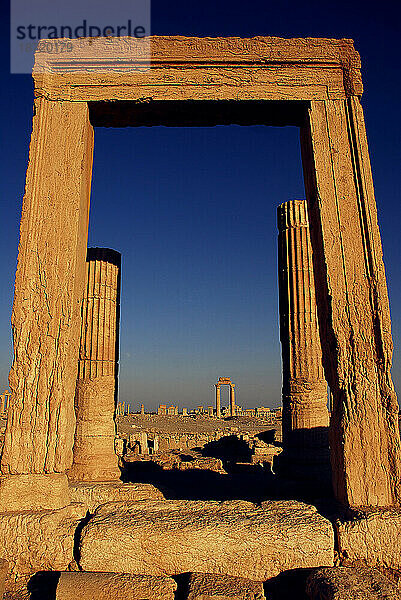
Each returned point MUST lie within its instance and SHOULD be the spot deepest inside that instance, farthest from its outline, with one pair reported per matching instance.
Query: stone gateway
(314, 84)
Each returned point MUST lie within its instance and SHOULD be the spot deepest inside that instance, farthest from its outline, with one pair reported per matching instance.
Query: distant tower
(142, 409)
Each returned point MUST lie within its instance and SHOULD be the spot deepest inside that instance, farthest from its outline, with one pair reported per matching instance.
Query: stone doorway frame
(312, 83)
(225, 381)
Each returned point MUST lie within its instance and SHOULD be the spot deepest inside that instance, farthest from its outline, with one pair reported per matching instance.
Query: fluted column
(232, 400)
(49, 283)
(305, 414)
(95, 399)
(218, 402)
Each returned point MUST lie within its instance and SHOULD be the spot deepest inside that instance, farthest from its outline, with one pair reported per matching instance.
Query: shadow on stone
(249, 482)
(289, 584)
(306, 458)
(302, 473)
(230, 449)
(43, 585)
(77, 536)
(182, 581)
(268, 437)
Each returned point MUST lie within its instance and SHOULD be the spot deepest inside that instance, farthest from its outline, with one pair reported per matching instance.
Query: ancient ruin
(305, 413)
(225, 381)
(94, 457)
(314, 84)
(4, 400)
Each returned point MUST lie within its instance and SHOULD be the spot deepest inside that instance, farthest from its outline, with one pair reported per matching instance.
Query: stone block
(93, 494)
(38, 541)
(373, 537)
(228, 538)
(205, 586)
(3, 575)
(113, 586)
(350, 583)
(33, 491)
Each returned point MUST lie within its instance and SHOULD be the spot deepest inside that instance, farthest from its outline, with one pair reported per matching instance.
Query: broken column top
(105, 254)
(293, 213)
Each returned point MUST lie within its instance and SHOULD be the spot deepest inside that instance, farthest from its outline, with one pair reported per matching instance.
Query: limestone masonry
(95, 396)
(70, 526)
(305, 413)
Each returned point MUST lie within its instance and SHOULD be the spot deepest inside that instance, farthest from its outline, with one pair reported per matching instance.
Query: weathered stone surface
(94, 457)
(100, 314)
(232, 538)
(305, 413)
(38, 541)
(350, 583)
(48, 291)
(273, 69)
(93, 494)
(352, 296)
(206, 586)
(354, 316)
(112, 586)
(208, 463)
(373, 537)
(262, 452)
(185, 462)
(94, 454)
(33, 491)
(3, 575)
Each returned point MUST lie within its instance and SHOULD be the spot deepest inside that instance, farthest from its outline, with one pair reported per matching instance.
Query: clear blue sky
(193, 211)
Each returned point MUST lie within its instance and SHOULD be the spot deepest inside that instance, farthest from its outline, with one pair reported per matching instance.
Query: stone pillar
(46, 318)
(95, 399)
(353, 304)
(232, 400)
(305, 413)
(143, 441)
(218, 402)
(4, 401)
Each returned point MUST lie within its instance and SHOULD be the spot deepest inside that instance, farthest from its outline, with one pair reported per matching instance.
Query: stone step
(234, 538)
(350, 583)
(114, 586)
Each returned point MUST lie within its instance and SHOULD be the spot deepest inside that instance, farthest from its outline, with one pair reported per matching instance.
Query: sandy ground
(169, 424)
